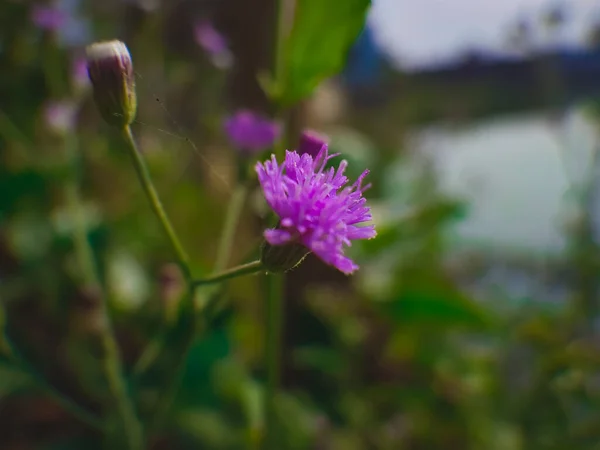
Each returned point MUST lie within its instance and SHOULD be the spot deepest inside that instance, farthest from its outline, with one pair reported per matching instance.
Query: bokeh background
(473, 322)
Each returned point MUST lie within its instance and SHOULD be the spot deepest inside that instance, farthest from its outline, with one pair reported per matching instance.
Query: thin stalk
(157, 207)
(111, 362)
(234, 210)
(44, 386)
(244, 269)
(83, 249)
(280, 38)
(274, 327)
(274, 282)
(187, 322)
(187, 319)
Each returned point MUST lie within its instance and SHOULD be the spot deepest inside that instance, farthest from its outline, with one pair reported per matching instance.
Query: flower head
(111, 72)
(317, 208)
(209, 38)
(251, 133)
(213, 43)
(48, 18)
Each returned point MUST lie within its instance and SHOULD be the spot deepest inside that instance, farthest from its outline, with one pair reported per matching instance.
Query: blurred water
(517, 174)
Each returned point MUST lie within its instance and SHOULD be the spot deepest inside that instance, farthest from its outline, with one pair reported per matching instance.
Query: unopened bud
(111, 72)
(310, 143)
(281, 258)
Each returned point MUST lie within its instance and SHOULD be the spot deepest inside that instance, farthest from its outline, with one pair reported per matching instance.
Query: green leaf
(319, 42)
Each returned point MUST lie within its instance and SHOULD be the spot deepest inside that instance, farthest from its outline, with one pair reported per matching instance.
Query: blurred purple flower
(213, 43)
(48, 17)
(62, 18)
(59, 116)
(315, 206)
(209, 38)
(251, 133)
(311, 143)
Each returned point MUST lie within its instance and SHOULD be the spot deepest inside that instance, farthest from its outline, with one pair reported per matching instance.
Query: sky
(418, 33)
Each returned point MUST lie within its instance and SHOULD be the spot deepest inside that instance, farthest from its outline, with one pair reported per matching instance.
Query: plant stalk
(144, 177)
(234, 211)
(273, 338)
(244, 269)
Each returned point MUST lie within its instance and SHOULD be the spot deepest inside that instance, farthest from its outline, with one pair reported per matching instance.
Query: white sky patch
(418, 33)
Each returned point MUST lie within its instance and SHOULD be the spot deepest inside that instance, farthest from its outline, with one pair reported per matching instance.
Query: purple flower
(311, 142)
(209, 38)
(48, 18)
(60, 116)
(213, 43)
(316, 207)
(250, 132)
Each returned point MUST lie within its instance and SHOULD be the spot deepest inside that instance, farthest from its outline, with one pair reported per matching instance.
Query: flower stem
(40, 382)
(244, 269)
(83, 249)
(234, 210)
(111, 361)
(148, 186)
(273, 338)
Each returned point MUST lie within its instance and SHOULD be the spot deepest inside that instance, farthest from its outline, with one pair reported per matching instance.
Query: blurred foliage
(309, 55)
(407, 354)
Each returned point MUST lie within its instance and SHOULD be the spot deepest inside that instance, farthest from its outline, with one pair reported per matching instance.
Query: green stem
(44, 386)
(244, 269)
(234, 210)
(280, 37)
(83, 249)
(111, 362)
(273, 338)
(274, 282)
(148, 186)
(186, 322)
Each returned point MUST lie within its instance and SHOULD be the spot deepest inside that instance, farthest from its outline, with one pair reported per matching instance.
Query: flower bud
(281, 258)
(251, 133)
(310, 143)
(111, 72)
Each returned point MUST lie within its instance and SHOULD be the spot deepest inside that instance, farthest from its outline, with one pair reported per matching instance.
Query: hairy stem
(244, 269)
(273, 338)
(234, 210)
(146, 182)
